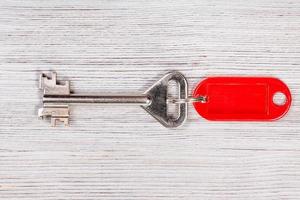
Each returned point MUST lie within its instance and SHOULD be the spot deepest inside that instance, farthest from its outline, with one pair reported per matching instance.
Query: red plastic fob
(242, 98)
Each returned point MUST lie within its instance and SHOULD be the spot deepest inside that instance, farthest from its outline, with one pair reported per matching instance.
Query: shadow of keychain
(215, 98)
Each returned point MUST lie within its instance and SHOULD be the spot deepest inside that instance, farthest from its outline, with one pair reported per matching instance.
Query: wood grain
(115, 152)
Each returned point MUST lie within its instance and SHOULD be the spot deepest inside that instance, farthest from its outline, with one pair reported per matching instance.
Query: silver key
(57, 98)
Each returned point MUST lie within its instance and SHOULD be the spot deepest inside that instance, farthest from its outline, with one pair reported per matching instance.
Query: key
(57, 98)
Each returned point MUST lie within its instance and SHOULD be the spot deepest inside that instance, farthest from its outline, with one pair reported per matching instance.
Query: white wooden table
(115, 152)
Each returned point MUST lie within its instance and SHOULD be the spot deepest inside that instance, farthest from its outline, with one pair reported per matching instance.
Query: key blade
(55, 113)
(51, 87)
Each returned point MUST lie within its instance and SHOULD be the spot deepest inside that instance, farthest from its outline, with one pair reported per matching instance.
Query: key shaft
(155, 100)
(103, 99)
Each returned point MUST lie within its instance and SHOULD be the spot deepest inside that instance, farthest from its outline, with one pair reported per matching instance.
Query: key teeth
(56, 113)
(46, 80)
(50, 86)
(64, 120)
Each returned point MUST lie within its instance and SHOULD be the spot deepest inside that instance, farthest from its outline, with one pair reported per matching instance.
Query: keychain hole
(279, 99)
(173, 92)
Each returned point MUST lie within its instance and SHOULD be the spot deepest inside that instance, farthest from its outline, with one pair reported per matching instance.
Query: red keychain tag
(242, 98)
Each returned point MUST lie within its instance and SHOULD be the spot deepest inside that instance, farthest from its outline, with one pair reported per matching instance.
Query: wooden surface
(115, 152)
